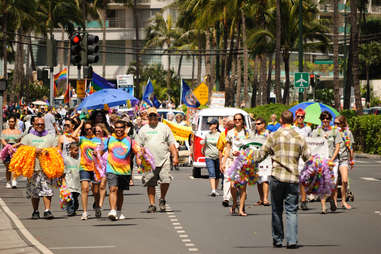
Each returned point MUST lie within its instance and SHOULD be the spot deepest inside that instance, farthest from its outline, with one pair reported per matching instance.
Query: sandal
(233, 211)
(258, 203)
(242, 214)
(323, 211)
(266, 203)
(347, 206)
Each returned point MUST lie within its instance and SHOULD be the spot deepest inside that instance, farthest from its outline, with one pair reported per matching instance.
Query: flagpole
(181, 90)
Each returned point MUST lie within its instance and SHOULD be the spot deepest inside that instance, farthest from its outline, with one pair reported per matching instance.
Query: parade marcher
(346, 156)
(180, 119)
(50, 122)
(72, 178)
(221, 146)
(334, 140)
(10, 136)
(66, 138)
(159, 139)
(119, 147)
(263, 172)
(285, 147)
(305, 131)
(273, 125)
(236, 138)
(211, 155)
(39, 185)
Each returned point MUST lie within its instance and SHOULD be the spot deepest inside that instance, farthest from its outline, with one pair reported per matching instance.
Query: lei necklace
(90, 137)
(236, 133)
(345, 137)
(299, 125)
(286, 126)
(262, 133)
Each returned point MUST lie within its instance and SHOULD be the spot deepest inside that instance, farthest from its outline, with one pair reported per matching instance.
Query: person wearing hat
(159, 139)
(211, 155)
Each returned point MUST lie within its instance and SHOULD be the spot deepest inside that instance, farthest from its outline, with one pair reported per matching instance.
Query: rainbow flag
(60, 75)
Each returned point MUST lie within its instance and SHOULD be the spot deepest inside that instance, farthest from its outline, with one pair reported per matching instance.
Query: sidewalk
(10, 239)
(368, 156)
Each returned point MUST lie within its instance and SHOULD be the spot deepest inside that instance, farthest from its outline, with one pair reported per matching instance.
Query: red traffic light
(312, 75)
(76, 39)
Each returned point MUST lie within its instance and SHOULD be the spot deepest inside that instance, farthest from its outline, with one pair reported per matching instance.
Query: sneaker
(121, 217)
(217, 194)
(48, 215)
(303, 205)
(151, 209)
(162, 205)
(98, 212)
(14, 184)
(8, 185)
(84, 216)
(35, 215)
(212, 194)
(112, 215)
(225, 203)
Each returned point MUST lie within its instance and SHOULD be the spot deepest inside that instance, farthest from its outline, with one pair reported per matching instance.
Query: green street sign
(301, 90)
(301, 79)
(323, 61)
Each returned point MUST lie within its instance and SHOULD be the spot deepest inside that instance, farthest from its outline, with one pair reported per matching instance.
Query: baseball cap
(213, 121)
(152, 110)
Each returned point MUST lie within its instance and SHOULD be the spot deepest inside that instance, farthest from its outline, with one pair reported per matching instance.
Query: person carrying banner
(334, 141)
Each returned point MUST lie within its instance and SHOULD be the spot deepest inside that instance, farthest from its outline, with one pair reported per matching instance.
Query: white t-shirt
(50, 120)
(238, 139)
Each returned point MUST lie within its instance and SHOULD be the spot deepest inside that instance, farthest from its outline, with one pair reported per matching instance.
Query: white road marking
(138, 177)
(189, 244)
(377, 212)
(172, 216)
(173, 220)
(180, 231)
(371, 179)
(179, 227)
(185, 240)
(42, 248)
(83, 247)
(183, 236)
(193, 249)
(176, 224)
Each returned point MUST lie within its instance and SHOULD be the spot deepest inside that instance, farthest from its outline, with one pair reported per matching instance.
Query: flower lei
(317, 176)
(347, 141)
(51, 162)
(65, 194)
(263, 133)
(236, 133)
(148, 161)
(8, 150)
(286, 126)
(301, 126)
(244, 169)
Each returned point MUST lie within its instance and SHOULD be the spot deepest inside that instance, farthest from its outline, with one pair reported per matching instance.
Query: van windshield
(206, 119)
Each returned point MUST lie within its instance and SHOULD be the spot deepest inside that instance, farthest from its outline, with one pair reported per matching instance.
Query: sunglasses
(258, 123)
(237, 119)
(39, 124)
(299, 116)
(326, 118)
(337, 123)
(87, 129)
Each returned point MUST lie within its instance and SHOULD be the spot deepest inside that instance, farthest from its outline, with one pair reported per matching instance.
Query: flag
(67, 94)
(99, 83)
(180, 132)
(149, 96)
(188, 98)
(57, 77)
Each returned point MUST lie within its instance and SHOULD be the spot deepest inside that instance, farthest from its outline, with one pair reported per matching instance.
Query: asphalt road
(197, 223)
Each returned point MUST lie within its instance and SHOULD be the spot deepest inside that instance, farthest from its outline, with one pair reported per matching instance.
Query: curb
(368, 156)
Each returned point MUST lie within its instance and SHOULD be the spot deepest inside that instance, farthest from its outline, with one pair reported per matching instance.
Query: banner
(318, 146)
(202, 93)
(81, 88)
(187, 97)
(217, 100)
(266, 165)
(180, 132)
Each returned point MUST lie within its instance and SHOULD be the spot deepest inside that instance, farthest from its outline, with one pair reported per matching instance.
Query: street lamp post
(300, 44)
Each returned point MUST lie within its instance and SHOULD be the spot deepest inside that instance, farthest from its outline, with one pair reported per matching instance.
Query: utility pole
(300, 43)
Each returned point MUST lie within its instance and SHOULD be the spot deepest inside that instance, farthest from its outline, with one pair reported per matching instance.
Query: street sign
(126, 83)
(323, 61)
(301, 79)
(301, 90)
(81, 88)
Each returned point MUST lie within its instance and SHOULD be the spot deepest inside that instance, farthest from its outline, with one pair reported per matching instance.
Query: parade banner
(318, 146)
(180, 132)
(202, 93)
(264, 168)
(217, 100)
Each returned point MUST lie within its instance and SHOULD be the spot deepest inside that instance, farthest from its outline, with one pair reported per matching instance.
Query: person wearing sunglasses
(334, 141)
(305, 131)
(264, 170)
(236, 138)
(346, 155)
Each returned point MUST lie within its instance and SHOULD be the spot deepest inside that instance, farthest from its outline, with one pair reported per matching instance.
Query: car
(201, 128)
(375, 110)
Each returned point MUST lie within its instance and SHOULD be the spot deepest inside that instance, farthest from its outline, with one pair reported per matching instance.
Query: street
(197, 223)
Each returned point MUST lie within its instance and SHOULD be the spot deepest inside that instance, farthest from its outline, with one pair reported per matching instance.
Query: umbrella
(313, 111)
(109, 97)
(40, 103)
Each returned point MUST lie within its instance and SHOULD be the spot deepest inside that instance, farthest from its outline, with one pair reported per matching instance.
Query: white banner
(264, 168)
(318, 146)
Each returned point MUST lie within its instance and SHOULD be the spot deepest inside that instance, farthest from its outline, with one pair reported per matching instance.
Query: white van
(201, 127)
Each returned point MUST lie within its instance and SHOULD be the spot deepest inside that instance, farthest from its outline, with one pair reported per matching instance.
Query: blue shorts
(87, 176)
(213, 166)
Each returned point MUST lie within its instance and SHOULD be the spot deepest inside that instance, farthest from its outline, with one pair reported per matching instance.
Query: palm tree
(336, 84)
(278, 39)
(162, 33)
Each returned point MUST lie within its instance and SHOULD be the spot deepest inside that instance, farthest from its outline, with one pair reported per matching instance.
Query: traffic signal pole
(300, 44)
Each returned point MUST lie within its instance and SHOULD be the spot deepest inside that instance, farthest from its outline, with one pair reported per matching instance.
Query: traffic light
(312, 79)
(51, 53)
(91, 48)
(75, 49)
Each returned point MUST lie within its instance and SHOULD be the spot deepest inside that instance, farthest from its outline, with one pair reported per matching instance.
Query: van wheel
(196, 172)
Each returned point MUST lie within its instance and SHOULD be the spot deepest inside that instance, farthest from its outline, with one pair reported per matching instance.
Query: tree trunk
(230, 89)
(239, 77)
(169, 71)
(269, 73)
(208, 65)
(245, 61)
(355, 49)
(286, 92)
(213, 61)
(336, 84)
(18, 74)
(193, 56)
(255, 83)
(367, 85)
(104, 13)
(262, 79)
(277, 52)
(199, 63)
(137, 57)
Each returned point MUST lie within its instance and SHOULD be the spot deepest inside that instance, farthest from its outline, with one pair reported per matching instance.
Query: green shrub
(366, 131)
(348, 113)
(265, 111)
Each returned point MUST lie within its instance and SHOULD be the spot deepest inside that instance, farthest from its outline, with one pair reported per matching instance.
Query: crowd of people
(84, 138)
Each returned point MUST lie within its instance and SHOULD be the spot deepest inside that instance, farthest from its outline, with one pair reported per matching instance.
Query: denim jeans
(73, 205)
(213, 166)
(289, 194)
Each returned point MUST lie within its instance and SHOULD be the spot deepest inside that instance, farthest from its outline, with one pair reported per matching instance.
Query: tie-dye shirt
(119, 151)
(87, 147)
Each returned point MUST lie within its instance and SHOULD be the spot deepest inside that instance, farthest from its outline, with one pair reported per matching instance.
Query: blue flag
(149, 95)
(188, 98)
